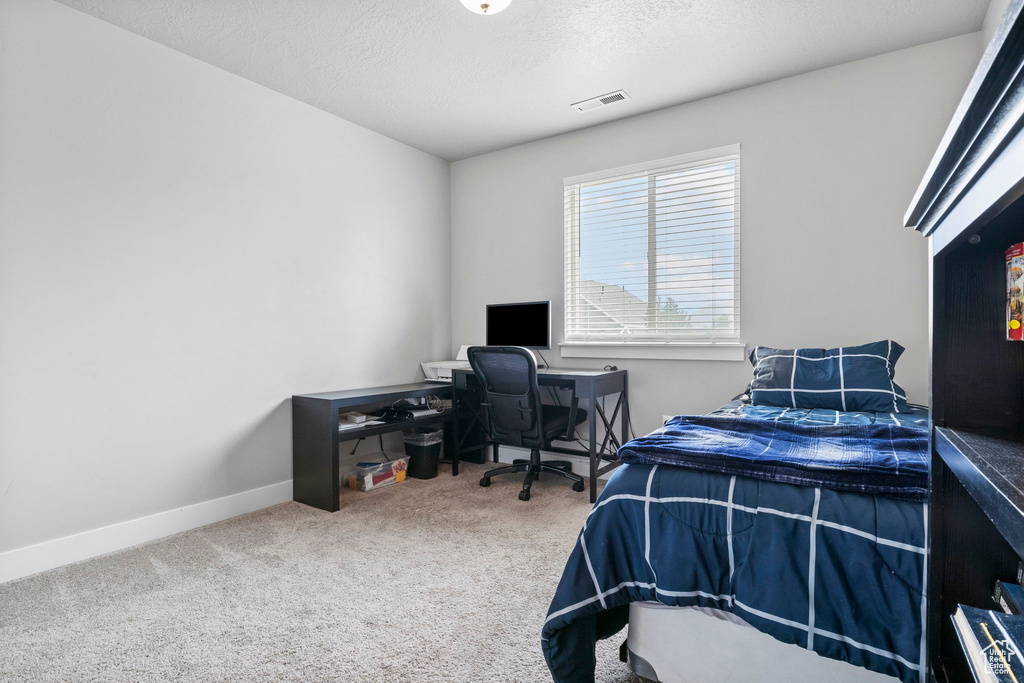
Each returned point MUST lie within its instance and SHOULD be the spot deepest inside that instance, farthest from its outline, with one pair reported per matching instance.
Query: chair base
(533, 467)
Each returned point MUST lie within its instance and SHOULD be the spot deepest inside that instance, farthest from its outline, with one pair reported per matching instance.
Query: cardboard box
(1014, 297)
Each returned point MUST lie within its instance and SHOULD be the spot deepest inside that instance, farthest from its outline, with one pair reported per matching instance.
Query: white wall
(181, 250)
(994, 15)
(830, 160)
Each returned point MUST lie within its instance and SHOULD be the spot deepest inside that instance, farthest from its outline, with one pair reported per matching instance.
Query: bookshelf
(971, 207)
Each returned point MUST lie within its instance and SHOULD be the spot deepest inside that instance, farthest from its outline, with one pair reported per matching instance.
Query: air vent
(601, 101)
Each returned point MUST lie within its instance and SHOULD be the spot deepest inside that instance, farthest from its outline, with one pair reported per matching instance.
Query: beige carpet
(437, 580)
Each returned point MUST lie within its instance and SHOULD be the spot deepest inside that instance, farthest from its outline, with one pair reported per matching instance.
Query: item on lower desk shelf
(374, 475)
(355, 417)
(1014, 296)
(990, 640)
(344, 425)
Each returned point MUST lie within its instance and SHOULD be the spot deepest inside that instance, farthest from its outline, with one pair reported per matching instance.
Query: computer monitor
(522, 324)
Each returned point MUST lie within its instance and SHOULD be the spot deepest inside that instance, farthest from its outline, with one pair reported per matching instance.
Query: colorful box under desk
(372, 475)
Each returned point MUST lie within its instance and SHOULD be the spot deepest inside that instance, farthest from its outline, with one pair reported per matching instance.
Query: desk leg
(451, 443)
(315, 454)
(593, 442)
(624, 428)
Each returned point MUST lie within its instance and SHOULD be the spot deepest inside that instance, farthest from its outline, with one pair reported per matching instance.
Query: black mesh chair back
(508, 375)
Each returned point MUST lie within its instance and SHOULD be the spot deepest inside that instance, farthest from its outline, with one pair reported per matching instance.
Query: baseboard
(580, 464)
(21, 562)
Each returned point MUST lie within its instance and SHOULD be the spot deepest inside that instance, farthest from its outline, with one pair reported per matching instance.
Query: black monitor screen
(526, 325)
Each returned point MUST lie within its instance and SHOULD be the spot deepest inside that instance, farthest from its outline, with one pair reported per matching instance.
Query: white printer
(441, 371)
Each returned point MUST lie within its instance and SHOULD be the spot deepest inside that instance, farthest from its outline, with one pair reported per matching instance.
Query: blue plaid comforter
(839, 573)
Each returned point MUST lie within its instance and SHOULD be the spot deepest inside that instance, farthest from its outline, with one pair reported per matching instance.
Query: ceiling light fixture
(485, 6)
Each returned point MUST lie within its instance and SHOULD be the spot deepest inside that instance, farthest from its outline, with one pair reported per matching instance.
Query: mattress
(705, 645)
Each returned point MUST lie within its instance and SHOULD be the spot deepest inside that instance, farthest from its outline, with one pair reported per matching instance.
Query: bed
(737, 542)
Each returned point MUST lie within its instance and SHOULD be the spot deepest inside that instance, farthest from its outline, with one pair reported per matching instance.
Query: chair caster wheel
(524, 495)
(577, 486)
(485, 482)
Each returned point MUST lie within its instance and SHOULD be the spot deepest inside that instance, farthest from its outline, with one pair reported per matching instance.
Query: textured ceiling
(456, 84)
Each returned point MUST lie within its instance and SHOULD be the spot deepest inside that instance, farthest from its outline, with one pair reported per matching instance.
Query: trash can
(423, 446)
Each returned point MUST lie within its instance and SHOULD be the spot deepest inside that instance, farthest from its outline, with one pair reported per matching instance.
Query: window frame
(665, 346)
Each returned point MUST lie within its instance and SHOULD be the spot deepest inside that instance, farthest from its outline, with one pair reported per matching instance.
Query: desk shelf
(387, 427)
(990, 468)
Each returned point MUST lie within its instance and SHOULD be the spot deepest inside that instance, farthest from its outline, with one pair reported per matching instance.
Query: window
(652, 252)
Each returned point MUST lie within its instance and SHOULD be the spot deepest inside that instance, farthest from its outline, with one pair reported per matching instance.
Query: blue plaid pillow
(851, 378)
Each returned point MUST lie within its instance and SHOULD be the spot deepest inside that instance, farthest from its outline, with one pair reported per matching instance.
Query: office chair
(516, 417)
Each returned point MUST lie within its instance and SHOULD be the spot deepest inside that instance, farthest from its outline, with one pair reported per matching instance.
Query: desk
(589, 386)
(316, 437)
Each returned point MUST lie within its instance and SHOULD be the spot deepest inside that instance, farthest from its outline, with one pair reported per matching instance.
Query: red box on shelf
(1014, 297)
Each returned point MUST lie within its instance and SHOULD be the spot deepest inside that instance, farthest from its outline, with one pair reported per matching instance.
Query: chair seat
(556, 420)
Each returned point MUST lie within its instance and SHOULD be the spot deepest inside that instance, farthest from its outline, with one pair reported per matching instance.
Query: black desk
(316, 437)
(589, 386)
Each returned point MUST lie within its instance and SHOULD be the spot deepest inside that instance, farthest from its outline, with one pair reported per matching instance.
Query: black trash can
(423, 446)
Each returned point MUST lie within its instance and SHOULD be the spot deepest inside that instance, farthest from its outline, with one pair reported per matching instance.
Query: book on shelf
(1009, 597)
(990, 641)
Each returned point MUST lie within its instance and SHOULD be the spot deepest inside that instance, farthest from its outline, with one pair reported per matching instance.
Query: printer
(441, 371)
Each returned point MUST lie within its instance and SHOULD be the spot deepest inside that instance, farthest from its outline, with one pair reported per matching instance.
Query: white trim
(654, 166)
(727, 351)
(21, 562)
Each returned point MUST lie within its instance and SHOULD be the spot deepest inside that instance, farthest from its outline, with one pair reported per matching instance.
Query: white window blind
(652, 251)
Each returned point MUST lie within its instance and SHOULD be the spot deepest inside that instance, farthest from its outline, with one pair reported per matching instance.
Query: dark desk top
(566, 372)
(376, 394)
(380, 394)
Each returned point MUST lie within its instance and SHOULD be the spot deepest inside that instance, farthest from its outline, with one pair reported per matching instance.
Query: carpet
(437, 580)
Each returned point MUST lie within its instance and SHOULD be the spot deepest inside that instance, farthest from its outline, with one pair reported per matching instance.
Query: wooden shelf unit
(970, 206)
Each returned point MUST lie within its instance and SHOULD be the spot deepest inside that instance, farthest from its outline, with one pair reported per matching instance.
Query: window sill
(727, 351)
